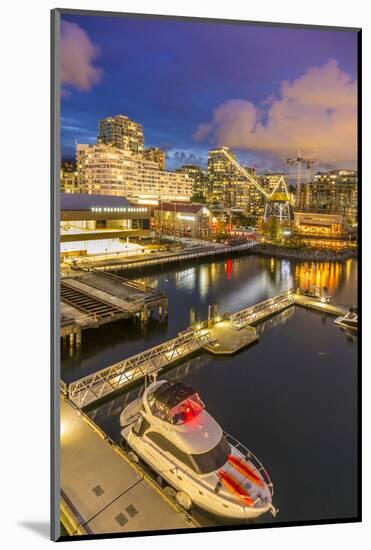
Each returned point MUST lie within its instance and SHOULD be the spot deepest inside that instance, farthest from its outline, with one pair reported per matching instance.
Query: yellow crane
(277, 203)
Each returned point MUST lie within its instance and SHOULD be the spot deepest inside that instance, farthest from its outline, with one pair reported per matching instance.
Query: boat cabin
(175, 402)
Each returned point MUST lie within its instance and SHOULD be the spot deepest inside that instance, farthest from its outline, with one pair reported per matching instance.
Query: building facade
(200, 182)
(154, 154)
(121, 132)
(319, 224)
(229, 188)
(183, 220)
(334, 192)
(68, 179)
(108, 170)
(97, 224)
(222, 177)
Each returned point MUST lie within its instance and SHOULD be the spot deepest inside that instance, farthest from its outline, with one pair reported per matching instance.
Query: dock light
(323, 300)
(198, 326)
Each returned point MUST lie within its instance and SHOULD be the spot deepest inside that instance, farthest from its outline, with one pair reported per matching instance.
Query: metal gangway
(89, 389)
(258, 311)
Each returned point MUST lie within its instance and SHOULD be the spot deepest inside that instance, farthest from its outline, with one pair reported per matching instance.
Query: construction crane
(308, 163)
(277, 203)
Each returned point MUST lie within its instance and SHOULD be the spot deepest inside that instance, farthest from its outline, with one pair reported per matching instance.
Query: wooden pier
(159, 259)
(90, 299)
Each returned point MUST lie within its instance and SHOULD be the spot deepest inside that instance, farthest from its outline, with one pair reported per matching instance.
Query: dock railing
(95, 386)
(174, 257)
(249, 455)
(253, 313)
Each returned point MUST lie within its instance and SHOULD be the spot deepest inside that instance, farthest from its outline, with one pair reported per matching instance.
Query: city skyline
(191, 98)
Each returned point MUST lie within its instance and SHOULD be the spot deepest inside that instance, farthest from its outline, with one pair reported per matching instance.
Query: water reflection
(233, 284)
(277, 320)
(332, 275)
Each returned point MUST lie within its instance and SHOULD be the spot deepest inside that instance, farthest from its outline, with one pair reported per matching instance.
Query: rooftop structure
(121, 132)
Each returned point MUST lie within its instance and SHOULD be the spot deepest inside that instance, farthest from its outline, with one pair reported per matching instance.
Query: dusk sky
(267, 92)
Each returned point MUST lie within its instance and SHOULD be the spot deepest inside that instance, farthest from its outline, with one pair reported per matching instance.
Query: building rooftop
(180, 207)
(77, 201)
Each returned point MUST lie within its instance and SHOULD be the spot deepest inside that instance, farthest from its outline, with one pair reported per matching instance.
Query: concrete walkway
(104, 491)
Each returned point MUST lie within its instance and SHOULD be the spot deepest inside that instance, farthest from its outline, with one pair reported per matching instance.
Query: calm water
(291, 398)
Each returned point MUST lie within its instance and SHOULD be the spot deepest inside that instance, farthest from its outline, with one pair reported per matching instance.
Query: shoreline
(309, 254)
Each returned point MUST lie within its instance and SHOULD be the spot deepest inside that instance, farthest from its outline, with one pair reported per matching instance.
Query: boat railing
(249, 455)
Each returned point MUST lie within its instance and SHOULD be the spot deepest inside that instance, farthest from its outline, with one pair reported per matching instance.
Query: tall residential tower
(121, 132)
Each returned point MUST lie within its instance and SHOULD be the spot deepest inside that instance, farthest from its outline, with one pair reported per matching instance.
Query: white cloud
(316, 114)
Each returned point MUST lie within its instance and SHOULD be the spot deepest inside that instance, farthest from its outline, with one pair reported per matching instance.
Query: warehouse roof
(77, 201)
(185, 208)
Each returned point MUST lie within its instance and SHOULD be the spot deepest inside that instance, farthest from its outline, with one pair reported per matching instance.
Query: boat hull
(340, 323)
(200, 492)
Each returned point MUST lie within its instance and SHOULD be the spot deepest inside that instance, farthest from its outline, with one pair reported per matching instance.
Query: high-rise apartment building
(121, 132)
(222, 174)
(200, 181)
(68, 178)
(108, 170)
(156, 155)
(229, 188)
(335, 192)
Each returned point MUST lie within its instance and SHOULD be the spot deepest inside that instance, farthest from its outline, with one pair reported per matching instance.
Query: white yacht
(349, 320)
(170, 430)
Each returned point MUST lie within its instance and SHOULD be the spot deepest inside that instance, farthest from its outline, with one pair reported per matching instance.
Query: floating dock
(224, 335)
(227, 338)
(102, 491)
(319, 305)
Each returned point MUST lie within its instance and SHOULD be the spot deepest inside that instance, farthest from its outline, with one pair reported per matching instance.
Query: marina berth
(170, 430)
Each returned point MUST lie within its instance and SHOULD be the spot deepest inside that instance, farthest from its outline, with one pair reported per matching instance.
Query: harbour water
(291, 398)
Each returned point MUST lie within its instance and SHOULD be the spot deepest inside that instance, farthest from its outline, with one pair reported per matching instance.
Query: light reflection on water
(324, 274)
(291, 397)
(233, 284)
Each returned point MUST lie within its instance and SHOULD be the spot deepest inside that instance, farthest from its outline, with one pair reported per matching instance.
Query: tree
(274, 230)
(198, 198)
(271, 229)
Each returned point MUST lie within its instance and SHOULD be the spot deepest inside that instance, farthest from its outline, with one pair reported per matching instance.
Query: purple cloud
(78, 54)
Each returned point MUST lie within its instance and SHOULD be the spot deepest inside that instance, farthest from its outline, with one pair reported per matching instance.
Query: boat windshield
(181, 413)
(212, 460)
(186, 410)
